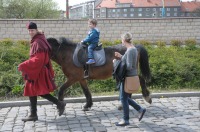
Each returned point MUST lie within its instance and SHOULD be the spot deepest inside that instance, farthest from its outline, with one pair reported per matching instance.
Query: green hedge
(171, 67)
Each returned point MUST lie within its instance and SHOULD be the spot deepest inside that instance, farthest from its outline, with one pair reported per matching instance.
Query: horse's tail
(144, 63)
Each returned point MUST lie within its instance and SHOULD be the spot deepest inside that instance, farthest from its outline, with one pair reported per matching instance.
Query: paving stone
(165, 114)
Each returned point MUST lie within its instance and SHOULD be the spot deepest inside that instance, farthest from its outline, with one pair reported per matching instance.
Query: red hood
(39, 44)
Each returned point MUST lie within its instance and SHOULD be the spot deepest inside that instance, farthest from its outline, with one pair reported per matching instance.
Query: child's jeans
(91, 48)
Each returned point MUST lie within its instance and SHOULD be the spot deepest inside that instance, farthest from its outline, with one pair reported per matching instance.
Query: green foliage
(161, 43)
(136, 42)
(191, 44)
(106, 43)
(117, 42)
(174, 67)
(35, 9)
(176, 42)
(97, 86)
(6, 42)
(17, 90)
(145, 43)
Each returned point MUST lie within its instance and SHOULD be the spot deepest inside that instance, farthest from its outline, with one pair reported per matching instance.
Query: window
(102, 10)
(132, 10)
(117, 15)
(131, 15)
(154, 9)
(118, 10)
(175, 14)
(113, 10)
(140, 14)
(125, 15)
(113, 15)
(147, 14)
(168, 9)
(139, 9)
(160, 9)
(147, 9)
(125, 10)
(168, 14)
(175, 9)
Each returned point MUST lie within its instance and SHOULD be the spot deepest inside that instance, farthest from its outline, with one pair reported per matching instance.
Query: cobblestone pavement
(179, 114)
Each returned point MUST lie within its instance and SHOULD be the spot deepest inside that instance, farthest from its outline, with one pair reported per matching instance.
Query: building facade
(134, 9)
(137, 9)
(137, 12)
(83, 10)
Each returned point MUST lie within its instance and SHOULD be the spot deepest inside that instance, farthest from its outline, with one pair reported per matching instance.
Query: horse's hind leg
(88, 95)
(145, 91)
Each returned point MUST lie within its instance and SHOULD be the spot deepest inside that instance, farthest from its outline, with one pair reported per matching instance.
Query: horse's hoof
(120, 107)
(86, 109)
(148, 99)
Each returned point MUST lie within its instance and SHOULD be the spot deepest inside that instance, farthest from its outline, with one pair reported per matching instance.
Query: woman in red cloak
(38, 73)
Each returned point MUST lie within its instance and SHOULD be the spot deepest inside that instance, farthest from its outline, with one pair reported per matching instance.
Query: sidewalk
(164, 114)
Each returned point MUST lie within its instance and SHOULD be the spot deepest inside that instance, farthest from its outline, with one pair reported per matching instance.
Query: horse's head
(55, 45)
(59, 46)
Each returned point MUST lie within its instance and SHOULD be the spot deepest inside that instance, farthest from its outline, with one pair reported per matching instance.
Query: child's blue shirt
(92, 37)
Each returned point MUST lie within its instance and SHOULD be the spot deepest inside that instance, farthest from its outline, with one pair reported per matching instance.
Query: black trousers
(33, 101)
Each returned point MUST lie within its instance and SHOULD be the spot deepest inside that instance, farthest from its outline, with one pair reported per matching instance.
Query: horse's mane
(65, 41)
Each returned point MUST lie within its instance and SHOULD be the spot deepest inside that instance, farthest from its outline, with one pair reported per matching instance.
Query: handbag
(132, 84)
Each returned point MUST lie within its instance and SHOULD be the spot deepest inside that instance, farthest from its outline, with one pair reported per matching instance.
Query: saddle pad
(80, 57)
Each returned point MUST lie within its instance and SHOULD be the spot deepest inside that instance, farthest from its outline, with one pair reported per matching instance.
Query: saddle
(80, 55)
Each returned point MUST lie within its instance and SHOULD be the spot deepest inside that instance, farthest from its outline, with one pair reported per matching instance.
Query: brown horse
(62, 54)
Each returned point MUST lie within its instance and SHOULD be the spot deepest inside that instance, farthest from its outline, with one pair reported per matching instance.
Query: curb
(99, 98)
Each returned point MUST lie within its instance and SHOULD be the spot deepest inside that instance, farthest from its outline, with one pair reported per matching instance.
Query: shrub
(6, 42)
(117, 42)
(145, 42)
(190, 44)
(106, 43)
(176, 43)
(23, 42)
(161, 43)
(136, 42)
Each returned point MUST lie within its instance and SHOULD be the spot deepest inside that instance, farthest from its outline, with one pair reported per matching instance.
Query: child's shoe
(90, 61)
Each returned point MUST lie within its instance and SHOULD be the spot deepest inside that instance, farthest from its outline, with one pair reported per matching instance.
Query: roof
(139, 3)
(154, 3)
(189, 6)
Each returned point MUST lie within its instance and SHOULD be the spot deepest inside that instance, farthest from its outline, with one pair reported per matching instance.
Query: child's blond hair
(93, 21)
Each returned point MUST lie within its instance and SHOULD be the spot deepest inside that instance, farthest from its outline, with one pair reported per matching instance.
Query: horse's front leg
(88, 95)
(63, 88)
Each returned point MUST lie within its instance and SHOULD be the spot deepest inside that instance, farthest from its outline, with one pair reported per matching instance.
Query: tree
(34, 9)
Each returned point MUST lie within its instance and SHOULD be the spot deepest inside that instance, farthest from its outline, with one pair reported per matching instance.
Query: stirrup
(86, 75)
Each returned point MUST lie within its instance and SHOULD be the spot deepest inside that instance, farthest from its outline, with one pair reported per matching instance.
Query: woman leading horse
(62, 54)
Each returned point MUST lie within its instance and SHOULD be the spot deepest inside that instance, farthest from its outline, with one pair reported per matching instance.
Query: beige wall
(111, 29)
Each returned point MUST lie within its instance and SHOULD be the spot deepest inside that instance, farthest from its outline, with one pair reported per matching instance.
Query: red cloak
(37, 70)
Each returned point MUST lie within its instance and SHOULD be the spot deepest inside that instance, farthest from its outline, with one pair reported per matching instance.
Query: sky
(62, 3)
